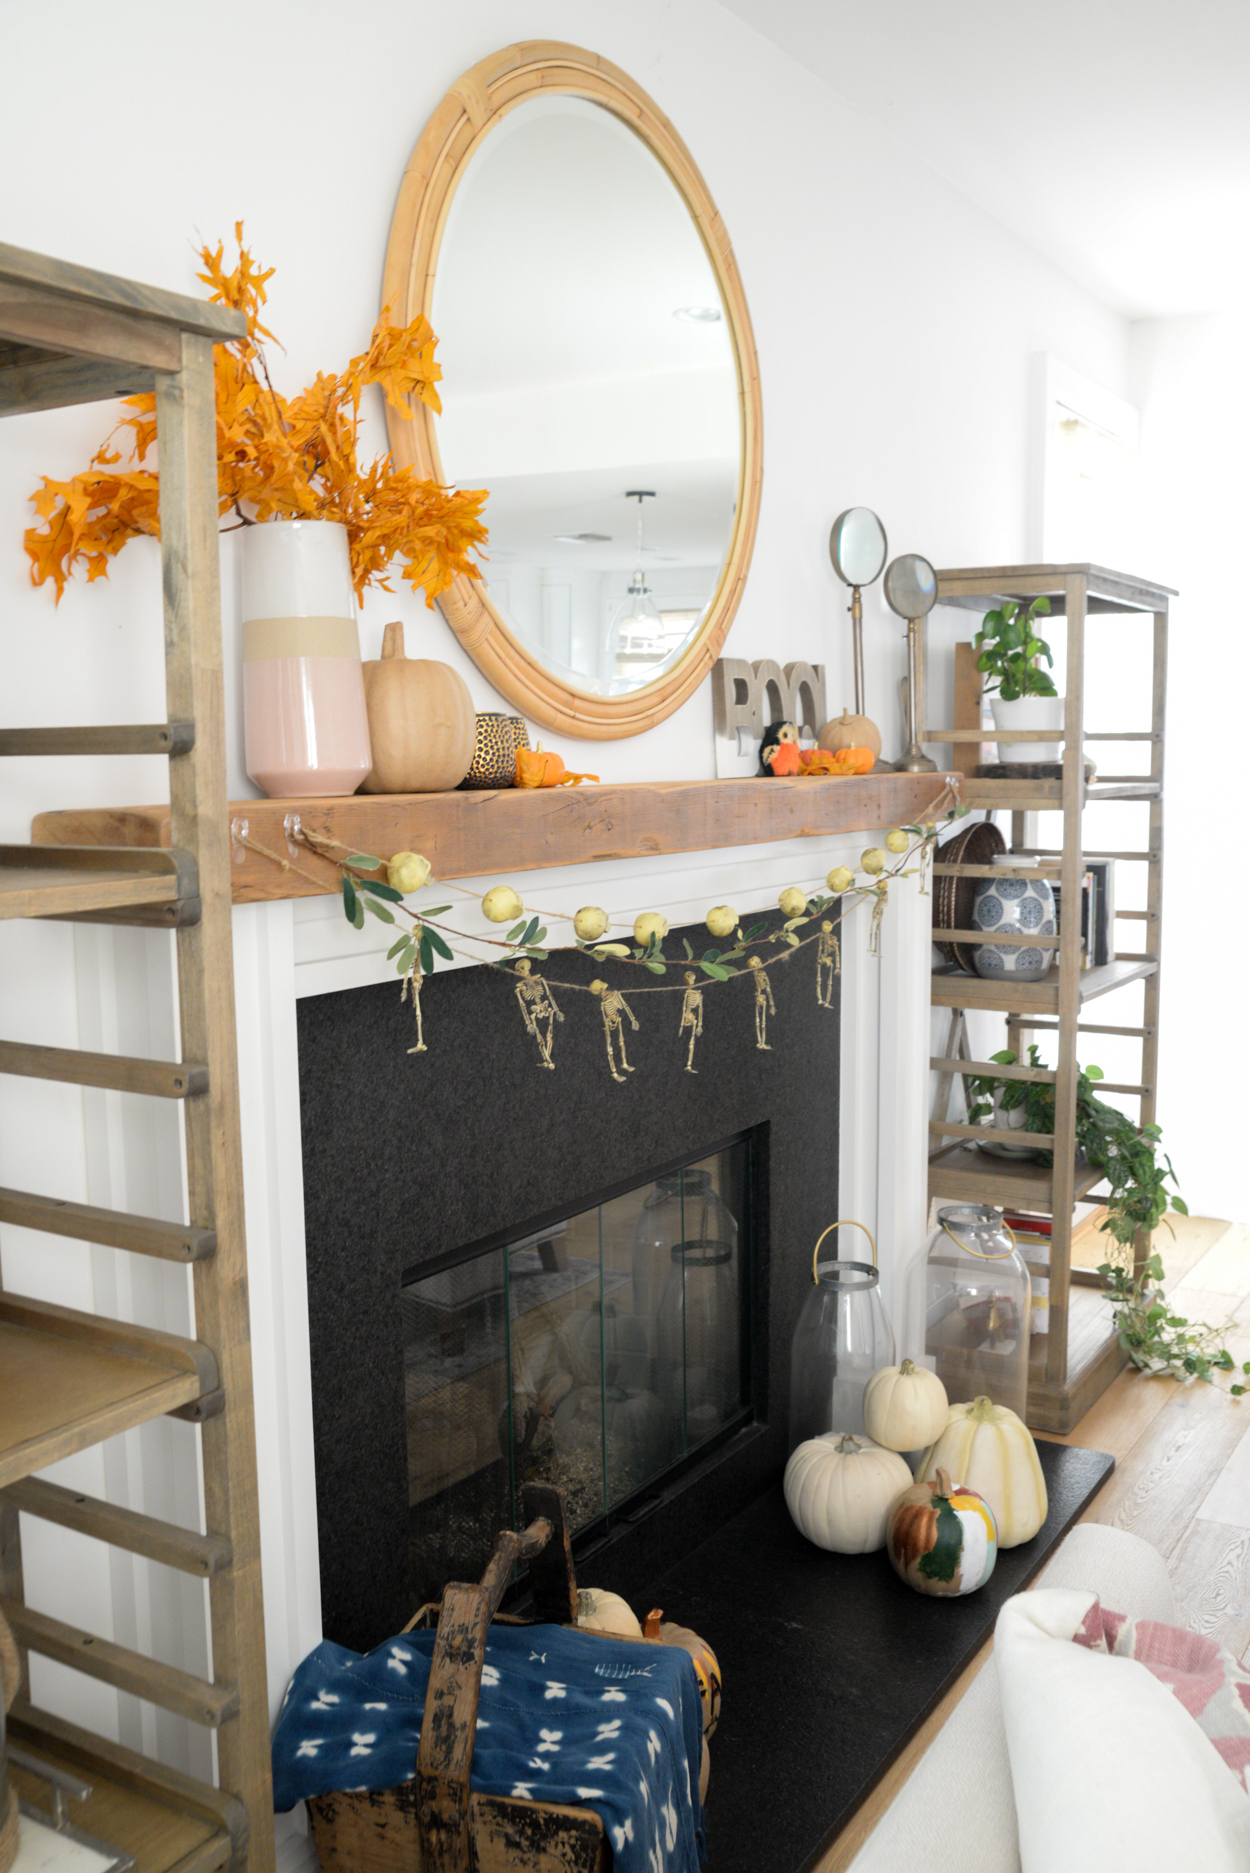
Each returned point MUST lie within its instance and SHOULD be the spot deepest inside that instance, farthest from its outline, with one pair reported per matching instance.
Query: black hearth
(434, 1180)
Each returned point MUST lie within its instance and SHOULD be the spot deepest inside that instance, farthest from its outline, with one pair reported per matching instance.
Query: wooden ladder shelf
(70, 1379)
(1078, 1357)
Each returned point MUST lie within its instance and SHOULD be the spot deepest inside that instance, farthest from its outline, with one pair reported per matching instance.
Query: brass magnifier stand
(911, 591)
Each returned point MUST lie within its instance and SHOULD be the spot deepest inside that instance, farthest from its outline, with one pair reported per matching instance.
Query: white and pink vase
(304, 721)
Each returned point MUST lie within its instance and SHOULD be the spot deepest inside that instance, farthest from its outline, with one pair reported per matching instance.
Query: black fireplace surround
(409, 1159)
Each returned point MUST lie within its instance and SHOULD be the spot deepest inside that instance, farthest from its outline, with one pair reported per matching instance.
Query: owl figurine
(779, 750)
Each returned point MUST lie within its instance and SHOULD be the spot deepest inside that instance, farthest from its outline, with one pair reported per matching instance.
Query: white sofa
(965, 1774)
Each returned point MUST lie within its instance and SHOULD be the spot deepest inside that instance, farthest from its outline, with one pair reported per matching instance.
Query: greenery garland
(1155, 1338)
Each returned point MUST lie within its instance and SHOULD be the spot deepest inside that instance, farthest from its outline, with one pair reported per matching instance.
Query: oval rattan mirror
(597, 348)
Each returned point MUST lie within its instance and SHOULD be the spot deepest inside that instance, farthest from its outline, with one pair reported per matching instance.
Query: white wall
(1192, 379)
(894, 323)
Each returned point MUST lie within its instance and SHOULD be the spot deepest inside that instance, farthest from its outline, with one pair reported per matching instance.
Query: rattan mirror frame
(471, 108)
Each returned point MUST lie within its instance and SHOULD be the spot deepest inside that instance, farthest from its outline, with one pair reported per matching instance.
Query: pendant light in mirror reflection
(595, 1353)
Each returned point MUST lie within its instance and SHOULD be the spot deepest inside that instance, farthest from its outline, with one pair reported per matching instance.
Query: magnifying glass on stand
(857, 547)
(911, 590)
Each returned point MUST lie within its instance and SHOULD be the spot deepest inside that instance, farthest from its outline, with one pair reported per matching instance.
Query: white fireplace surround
(131, 1159)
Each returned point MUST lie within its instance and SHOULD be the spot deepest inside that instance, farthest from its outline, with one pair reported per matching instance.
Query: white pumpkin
(598, 1611)
(905, 1407)
(839, 1489)
(990, 1449)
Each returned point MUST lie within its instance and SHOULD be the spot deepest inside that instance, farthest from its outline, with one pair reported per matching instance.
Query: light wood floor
(1182, 1476)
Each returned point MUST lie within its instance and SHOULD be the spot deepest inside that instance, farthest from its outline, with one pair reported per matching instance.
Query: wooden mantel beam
(494, 834)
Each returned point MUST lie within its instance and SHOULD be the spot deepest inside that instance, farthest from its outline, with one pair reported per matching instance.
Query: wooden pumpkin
(542, 767)
(706, 1669)
(850, 731)
(941, 1538)
(839, 1489)
(598, 1611)
(905, 1408)
(421, 723)
(992, 1449)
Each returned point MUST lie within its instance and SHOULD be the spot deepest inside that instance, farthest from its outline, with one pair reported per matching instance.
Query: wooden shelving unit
(70, 1379)
(1080, 1355)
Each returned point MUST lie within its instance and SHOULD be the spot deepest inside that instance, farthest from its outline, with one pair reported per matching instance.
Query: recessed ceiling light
(699, 315)
(581, 539)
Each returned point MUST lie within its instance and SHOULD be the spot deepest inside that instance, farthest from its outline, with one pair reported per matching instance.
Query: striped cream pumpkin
(992, 1450)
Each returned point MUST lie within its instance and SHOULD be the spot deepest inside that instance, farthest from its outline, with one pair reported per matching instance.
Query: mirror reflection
(588, 363)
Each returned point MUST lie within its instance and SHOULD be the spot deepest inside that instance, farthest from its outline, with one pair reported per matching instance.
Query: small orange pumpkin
(853, 761)
(536, 767)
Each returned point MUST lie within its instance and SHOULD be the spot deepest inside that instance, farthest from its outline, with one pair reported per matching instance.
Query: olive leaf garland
(367, 890)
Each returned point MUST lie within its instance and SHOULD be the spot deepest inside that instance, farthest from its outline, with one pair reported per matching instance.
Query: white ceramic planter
(304, 721)
(1029, 712)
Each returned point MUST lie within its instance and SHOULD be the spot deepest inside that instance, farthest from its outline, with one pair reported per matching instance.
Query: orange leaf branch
(280, 459)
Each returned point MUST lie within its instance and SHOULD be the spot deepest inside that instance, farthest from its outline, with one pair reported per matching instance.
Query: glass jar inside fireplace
(969, 1303)
(544, 1359)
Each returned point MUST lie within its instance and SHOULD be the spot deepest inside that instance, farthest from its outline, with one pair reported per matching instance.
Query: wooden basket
(435, 1823)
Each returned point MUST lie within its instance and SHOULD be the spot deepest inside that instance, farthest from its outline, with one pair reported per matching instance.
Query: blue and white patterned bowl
(1011, 904)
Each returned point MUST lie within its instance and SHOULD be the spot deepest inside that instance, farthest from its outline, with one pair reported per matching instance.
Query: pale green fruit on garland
(874, 860)
(722, 920)
(407, 872)
(793, 901)
(502, 905)
(896, 841)
(840, 879)
(590, 922)
(649, 925)
(610, 949)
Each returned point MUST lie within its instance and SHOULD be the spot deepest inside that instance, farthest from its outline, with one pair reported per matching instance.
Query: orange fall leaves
(278, 459)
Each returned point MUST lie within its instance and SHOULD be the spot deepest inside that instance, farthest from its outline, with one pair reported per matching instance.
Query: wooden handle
(393, 639)
(449, 1723)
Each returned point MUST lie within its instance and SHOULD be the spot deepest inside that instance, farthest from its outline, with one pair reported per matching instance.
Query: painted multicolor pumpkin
(942, 1538)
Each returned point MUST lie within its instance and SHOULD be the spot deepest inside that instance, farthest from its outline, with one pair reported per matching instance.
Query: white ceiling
(1112, 135)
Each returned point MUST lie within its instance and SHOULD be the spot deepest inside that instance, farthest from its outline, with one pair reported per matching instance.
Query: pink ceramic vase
(304, 720)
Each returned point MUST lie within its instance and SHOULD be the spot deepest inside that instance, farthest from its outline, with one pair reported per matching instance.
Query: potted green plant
(1010, 661)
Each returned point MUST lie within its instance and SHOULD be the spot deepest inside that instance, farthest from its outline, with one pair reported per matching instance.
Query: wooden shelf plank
(183, 1548)
(128, 738)
(69, 1380)
(962, 1174)
(976, 587)
(958, 990)
(118, 1229)
(166, 1819)
(29, 891)
(484, 834)
(161, 1079)
(1042, 796)
(144, 1677)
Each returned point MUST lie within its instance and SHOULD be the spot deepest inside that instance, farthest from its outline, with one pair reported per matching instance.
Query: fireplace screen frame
(521, 1364)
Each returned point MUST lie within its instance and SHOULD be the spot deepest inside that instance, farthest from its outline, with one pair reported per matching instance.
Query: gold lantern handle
(983, 1254)
(842, 1223)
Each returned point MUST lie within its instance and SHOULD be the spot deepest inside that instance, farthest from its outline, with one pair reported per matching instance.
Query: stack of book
(1097, 912)
(1033, 1232)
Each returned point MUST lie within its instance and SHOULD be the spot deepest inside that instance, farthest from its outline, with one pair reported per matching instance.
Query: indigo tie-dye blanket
(564, 1717)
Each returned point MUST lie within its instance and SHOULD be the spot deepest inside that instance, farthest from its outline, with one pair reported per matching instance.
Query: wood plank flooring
(1182, 1478)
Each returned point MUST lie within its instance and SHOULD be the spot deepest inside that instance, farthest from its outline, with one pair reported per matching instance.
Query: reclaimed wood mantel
(471, 835)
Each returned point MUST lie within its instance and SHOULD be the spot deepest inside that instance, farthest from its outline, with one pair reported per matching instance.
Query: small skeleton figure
(764, 1005)
(691, 1016)
(415, 978)
(613, 1005)
(538, 1006)
(828, 964)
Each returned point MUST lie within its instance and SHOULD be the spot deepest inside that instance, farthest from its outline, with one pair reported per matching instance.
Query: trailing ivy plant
(1010, 648)
(1155, 1338)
